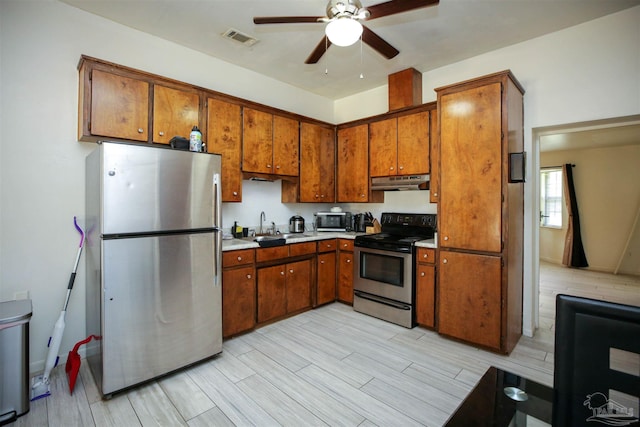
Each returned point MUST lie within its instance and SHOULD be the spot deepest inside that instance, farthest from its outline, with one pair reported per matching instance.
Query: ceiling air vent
(236, 35)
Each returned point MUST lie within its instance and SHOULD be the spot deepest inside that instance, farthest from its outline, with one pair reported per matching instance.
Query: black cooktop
(400, 232)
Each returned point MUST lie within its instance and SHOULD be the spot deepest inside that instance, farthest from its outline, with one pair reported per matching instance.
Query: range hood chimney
(405, 89)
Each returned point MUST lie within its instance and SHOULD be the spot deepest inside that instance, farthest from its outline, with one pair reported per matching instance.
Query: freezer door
(149, 189)
(161, 306)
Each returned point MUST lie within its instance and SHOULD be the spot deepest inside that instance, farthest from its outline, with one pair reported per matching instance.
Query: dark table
(489, 405)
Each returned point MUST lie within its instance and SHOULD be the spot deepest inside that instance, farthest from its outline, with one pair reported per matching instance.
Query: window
(551, 197)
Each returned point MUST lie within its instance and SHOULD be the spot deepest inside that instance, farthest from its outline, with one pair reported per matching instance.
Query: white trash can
(14, 359)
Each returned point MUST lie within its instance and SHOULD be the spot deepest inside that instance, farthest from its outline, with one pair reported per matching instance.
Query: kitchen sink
(268, 241)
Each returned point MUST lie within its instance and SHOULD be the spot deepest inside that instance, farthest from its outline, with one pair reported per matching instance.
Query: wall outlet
(21, 295)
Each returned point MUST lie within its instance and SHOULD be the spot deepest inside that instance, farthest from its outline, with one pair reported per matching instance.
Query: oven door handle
(384, 301)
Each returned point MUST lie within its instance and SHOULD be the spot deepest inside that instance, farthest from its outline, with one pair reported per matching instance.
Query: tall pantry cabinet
(480, 211)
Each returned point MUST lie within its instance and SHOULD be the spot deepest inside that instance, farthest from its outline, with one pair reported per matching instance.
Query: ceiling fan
(344, 16)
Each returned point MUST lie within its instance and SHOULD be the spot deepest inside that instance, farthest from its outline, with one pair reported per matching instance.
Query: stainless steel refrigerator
(153, 251)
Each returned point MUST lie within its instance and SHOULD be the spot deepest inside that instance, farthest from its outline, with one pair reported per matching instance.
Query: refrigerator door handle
(217, 218)
(217, 201)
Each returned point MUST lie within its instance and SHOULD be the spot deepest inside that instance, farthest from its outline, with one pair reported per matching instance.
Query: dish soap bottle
(195, 140)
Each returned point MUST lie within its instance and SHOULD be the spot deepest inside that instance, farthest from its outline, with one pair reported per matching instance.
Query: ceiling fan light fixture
(343, 31)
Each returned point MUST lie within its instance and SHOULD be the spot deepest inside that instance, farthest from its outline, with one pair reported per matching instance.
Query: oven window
(382, 268)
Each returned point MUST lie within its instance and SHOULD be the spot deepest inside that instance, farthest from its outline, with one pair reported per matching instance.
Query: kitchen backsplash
(265, 197)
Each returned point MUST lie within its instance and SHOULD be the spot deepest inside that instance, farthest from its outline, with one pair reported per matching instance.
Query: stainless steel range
(384, 267)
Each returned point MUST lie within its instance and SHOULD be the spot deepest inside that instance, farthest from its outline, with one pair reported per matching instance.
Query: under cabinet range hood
(410, 182)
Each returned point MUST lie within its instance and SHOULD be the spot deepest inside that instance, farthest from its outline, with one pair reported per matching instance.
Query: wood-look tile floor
(329, 366)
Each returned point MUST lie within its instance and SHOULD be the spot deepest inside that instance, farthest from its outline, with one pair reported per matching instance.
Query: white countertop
(248, 243)
(429, 243)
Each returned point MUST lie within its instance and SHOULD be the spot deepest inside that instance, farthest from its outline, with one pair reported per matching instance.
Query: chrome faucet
(263, 217)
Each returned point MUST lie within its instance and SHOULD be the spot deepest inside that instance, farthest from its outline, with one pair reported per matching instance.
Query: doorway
(599, 135)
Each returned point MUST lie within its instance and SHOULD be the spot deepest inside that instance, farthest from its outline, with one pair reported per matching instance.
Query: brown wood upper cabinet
(434, 157)
(353, 164)
(270, 143)
(112, 105)
(116, 102)
(399, 145)
(175, 113)
(317, 163)
(224, 130)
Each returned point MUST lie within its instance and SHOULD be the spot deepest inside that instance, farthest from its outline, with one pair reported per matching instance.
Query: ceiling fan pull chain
(326, 47)
(361, 69)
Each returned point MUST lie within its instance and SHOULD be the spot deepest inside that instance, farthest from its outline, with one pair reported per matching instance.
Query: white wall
(607, 183)
(587, 72)
(42, 169)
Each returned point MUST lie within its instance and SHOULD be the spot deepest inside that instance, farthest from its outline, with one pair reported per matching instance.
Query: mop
(40, 383)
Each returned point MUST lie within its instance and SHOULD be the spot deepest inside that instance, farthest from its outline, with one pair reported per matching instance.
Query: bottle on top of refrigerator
(195, 140)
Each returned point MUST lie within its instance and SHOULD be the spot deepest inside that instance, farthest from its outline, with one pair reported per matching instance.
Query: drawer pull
(239, 258)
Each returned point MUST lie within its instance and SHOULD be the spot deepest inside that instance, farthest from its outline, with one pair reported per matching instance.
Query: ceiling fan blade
(285, 19)
(377, 43)
(397, 6)
(318, 51)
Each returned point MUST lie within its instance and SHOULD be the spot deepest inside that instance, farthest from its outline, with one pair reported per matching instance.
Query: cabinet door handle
(435, 194)
(425, 256)
(401, 167)
(235, 193)
(446, 238)
(348, 261)
(161, 133)
(282, 273)
(140, 130)
(239, 258)
(277, 166)
(268, 166)
(291, 271)
(444, 261)
(321, 262)
(248, 276)
(391, 168)
(422, 274)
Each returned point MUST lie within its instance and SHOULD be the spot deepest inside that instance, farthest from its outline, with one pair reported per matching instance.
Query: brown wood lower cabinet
(239, 300)
(469, 297)
(238, 292)
(298, 285)
(425, 287)
(283, 289)
(272, 292)
(345, 271)
(326, 290)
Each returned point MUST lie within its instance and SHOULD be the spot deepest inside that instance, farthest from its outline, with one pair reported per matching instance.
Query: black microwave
(334, 221)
